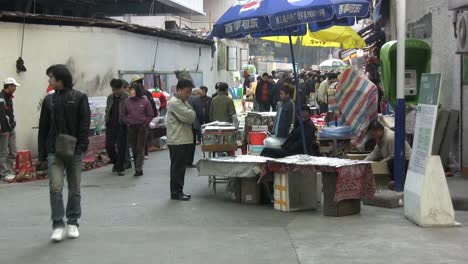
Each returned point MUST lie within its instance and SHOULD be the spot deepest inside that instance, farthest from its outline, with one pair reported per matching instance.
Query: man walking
(116, 129)
(62, 140)
(7, 131)
(180, 117)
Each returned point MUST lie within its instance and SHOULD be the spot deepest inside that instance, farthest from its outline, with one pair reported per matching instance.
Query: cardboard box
(250, 191)
(380, 168)
(295, 191)
(354, 156)
(332, 208)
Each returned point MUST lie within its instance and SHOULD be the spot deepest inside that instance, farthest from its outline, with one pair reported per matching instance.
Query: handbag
(65, 144)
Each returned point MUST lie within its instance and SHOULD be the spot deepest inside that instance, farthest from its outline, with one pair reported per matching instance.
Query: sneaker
(146, 157)
(72, 231)
(57, 234)
(138, 173)
(9, 178)
(121, 173)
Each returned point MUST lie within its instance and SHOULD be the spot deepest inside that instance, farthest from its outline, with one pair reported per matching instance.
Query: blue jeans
(57, 170)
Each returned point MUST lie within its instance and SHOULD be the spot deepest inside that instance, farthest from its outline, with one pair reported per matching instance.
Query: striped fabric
(356, 98)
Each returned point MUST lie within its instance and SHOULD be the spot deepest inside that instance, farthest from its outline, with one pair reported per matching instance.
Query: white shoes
(72, 231)
(9, 178)
(58, 234)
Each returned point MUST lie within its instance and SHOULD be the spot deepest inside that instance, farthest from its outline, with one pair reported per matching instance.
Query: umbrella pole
(298, 101)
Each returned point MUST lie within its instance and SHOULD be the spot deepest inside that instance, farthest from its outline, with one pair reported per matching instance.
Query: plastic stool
(24, 167)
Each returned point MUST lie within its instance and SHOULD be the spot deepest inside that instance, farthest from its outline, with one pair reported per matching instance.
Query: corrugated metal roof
(19, 17)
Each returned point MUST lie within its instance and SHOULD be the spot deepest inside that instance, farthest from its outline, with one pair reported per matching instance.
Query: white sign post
(426, 194)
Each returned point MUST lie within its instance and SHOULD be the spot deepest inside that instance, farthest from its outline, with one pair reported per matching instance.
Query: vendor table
(210, 151)
(345, 182)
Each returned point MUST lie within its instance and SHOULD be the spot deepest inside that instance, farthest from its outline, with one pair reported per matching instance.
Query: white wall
(194, 5)
(95, 56)
(214, 9)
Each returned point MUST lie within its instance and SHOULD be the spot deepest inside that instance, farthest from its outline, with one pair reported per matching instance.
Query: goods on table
(319, 120)
(217, 136)
(97, 106)
(260, 121)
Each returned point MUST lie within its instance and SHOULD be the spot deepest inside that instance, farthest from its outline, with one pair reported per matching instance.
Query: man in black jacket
(116, 130)
(65, 112)
(293, 144)
(7, 131)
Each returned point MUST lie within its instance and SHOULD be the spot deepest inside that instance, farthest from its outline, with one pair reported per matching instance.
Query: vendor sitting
(384, 150)
(293, 144)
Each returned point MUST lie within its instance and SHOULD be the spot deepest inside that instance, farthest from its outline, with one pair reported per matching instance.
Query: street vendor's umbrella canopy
(337, 36)
(263, 18)
(260, 18)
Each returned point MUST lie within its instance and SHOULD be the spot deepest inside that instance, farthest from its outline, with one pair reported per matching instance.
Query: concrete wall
(95, 55)
(443, 43)
(444, 57)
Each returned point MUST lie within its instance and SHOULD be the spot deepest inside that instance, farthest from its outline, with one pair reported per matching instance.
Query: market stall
(345, 182)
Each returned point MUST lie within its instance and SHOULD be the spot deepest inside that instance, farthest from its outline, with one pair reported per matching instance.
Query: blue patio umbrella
(261, 18)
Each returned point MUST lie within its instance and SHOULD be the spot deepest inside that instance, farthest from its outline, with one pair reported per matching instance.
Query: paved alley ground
(132, 220)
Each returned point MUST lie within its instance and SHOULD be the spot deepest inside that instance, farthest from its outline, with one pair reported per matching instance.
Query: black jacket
(7, 116)
(65, 112)
(259, 92)
(285, 119)
(293, 144)
(151, 100)
(197, 105)
(110, 102)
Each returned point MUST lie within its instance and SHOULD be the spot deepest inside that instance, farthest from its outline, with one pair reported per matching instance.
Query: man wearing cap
(7, 131)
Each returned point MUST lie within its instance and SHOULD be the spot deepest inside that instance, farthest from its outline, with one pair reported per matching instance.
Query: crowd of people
(315, 88)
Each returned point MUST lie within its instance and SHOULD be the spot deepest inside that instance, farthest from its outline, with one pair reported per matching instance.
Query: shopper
(137, 115)
(116, 130)
(263, 93)
(7, 131)
(196, 103)
(222, 106)
(62, 140)
(136, 79)
(180, 117)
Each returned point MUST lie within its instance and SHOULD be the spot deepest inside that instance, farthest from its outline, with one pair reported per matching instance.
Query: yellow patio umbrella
(336, 36)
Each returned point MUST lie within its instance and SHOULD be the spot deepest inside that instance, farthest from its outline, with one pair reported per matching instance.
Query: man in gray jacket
(116, 130)
(180, 117)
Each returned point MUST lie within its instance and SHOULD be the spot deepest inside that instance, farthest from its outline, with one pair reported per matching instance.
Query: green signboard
(429, 89)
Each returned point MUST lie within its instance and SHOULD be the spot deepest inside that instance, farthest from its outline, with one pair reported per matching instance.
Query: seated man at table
(384, 150)
(293, 144)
